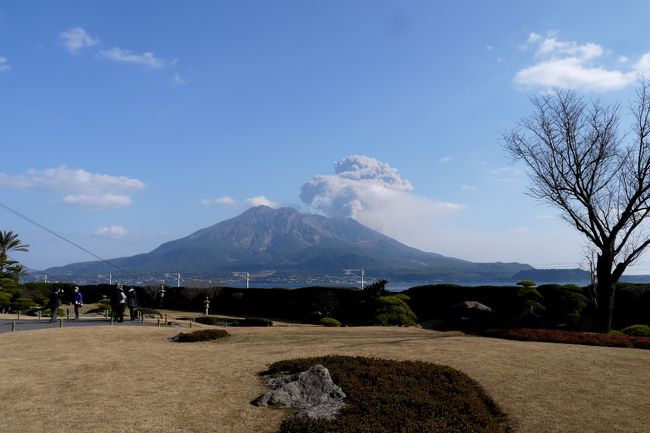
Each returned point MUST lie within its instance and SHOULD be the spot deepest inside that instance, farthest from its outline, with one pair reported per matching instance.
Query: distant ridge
(287, 243)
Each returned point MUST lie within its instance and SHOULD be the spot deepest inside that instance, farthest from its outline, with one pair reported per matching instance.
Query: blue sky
(127, 124)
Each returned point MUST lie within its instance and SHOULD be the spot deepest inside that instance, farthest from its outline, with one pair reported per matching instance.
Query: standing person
(115, 301)
(55, 301)
(132, 302)
(121, 303)
(78, 302)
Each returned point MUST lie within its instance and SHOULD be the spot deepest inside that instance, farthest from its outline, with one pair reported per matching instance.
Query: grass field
(122, 379)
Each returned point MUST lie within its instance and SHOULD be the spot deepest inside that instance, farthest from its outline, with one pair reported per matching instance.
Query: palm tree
(9, 242)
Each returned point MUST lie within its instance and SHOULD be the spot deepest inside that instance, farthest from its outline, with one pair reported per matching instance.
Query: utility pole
(243, 275)
(361, 274)
(177, 276)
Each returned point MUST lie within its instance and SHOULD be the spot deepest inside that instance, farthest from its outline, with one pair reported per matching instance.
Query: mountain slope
(288, 242)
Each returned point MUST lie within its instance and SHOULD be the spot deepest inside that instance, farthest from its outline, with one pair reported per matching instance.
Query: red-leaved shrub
(569, 337)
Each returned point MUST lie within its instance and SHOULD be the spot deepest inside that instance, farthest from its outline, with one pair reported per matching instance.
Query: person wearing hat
(132, 302)
(121, 303)
(78, 302)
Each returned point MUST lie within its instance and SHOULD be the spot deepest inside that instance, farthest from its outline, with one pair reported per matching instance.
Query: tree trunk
(606, 287)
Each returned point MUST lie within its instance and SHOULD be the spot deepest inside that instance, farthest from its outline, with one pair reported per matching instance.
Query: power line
(52, 232)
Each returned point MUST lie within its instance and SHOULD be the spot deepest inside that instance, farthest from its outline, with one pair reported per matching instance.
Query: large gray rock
(311, 393)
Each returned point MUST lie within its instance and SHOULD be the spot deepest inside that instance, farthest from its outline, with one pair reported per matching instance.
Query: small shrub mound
(214, 321)
(329, 321)
(386, 396)
(251, 322)
(637, 330)
(568, 337)
(149, 312)
(202, 335)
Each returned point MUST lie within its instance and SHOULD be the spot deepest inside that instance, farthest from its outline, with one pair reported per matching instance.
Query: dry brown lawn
(128, 379)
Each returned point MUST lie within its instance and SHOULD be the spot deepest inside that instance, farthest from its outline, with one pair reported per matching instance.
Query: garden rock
(311, 393)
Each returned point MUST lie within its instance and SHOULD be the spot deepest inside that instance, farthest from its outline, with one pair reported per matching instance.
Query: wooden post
(166, 322)
(190, 323)
(60, 323)
(159, 322)
(13, 326)
(39, 315)
(111, 320)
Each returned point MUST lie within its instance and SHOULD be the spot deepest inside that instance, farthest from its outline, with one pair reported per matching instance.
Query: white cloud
(220, 201)
(446, 159)
(76, 38)
(97, 200)
(4, 64)
(112, 232)
(521, 229)
(569, 65)
(533, 37)
(148, 58)
(79, 187)
(178, 80)
(260, 200)
(374, 194)
(469, 188)
(642, 66)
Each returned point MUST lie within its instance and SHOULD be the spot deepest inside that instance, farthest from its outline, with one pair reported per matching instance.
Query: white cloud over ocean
(373, 193)
(79, 187)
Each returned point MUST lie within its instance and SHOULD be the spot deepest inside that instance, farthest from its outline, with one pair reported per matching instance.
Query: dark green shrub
(563, 305)
(637, 330)
(384, 396)
(201, 335)
(23, 304)
(393, 311)
(330, 322)
(207, 320)
(251, 322)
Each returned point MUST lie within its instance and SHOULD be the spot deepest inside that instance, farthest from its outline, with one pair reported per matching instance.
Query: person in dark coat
(115, 301)
(78, 302)
(56, 298)
(132, 302)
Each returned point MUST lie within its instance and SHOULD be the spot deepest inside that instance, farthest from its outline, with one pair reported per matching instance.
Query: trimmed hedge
(251, 322)
(330, 322)
(638, 330)
(201, 335)
(384, 396)
(569, 337)
(206, 320)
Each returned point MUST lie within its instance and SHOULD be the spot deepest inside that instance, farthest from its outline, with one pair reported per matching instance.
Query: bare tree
(579, 161)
